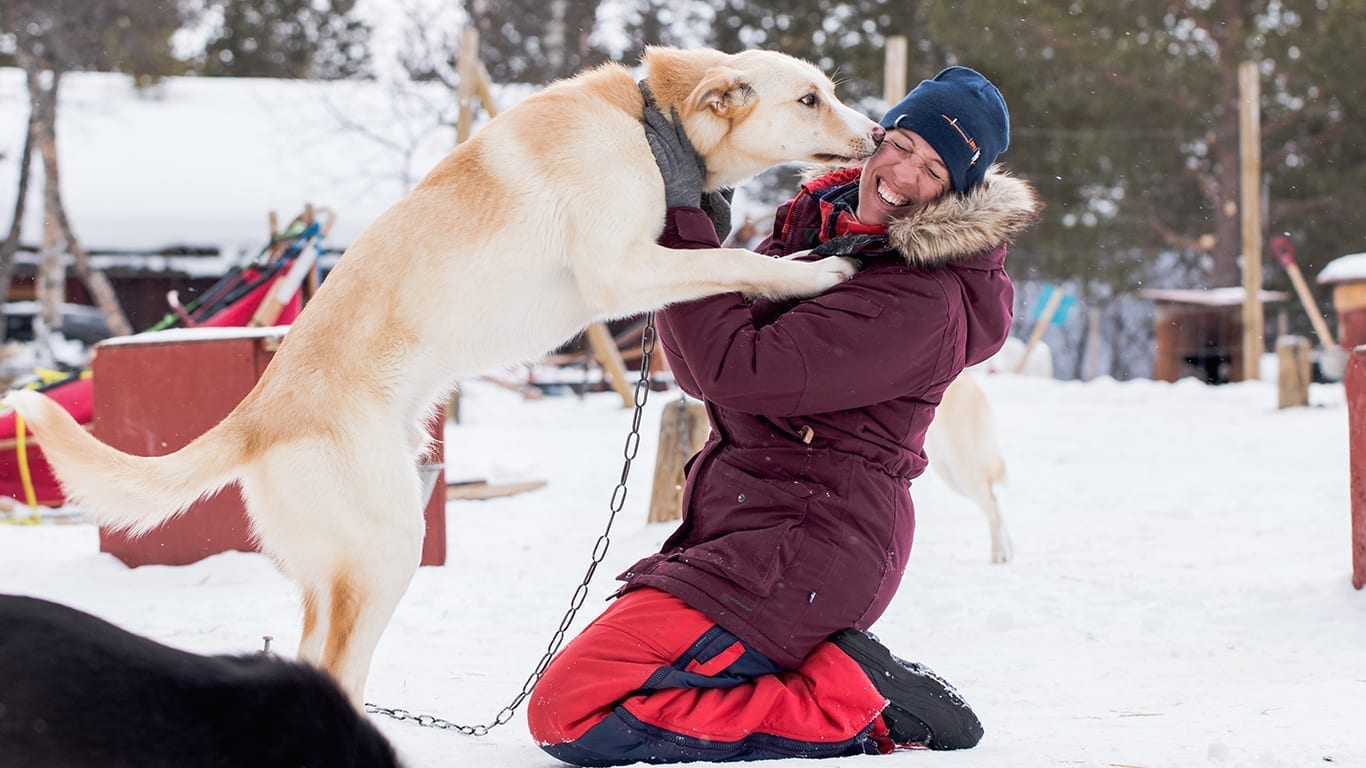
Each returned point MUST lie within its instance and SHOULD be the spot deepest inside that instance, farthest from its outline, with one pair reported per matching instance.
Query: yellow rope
(25, 478)
(45, 376)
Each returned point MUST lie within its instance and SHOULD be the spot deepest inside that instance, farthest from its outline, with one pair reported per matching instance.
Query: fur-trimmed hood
(952, 228)
(959, 226)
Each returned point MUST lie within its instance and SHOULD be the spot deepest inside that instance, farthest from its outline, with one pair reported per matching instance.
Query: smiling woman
(904, 175)
(741, 639)
(942, 137)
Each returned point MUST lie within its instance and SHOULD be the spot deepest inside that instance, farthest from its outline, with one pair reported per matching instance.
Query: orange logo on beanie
(972, 144)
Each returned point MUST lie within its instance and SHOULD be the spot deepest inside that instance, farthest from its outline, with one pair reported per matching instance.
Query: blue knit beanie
(963, 116)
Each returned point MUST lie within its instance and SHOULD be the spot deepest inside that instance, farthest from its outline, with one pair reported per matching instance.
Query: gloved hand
(717, 207)
(683, 169)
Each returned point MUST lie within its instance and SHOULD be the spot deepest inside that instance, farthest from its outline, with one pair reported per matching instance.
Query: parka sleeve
(873, 338)
(883, 334)
(683, 228)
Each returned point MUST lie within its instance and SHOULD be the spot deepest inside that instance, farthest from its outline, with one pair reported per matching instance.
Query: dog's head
(749, 111)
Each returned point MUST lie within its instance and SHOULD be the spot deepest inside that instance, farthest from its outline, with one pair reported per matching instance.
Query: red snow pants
(653, 680)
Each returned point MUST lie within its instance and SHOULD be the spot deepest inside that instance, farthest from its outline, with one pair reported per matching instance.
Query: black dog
(78, 692)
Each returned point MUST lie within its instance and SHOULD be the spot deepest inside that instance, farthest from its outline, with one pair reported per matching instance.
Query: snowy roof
(1344, 269)
(1211, 297)
(202, 161)
(185, 335)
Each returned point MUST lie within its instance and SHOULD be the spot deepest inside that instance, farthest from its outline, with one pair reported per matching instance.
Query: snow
(201, 161)
(1180, 595)
(182, 335)
(1344, 269)
(1230, 296)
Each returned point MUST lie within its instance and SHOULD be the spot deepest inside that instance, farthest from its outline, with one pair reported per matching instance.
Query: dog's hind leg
(311, 641)
(362, 603)
(1001, 548)
(353, 562)
(366, 587)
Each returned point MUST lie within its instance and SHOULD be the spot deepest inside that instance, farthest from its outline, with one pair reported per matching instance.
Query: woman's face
(900, 178)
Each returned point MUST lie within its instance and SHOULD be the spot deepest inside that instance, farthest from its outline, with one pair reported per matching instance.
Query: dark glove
(717, 207)
(683, 169)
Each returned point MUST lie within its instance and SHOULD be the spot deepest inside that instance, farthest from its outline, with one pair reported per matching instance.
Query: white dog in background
(963, 448)
(543, 222)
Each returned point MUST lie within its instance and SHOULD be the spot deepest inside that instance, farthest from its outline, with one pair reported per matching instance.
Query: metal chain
(642, 393)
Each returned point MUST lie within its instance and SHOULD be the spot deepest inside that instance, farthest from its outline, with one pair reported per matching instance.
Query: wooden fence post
(608, 354)
(682, 431)
(1355, 382)
(467, 89)
(1292, 362)
(894, 70)
(1250, 211)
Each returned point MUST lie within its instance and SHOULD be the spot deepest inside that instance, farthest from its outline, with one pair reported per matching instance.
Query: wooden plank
(528, 391)
(608, 355)
(481, 489)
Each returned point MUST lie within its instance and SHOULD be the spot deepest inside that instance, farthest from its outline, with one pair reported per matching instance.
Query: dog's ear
(674, 73)
(725, 91)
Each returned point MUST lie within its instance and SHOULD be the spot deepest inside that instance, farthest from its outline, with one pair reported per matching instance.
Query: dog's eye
(809, 100)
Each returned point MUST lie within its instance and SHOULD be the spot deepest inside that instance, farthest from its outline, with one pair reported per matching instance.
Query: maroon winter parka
(797, 516)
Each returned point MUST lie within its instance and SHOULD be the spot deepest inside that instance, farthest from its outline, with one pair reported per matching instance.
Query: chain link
(642, 393)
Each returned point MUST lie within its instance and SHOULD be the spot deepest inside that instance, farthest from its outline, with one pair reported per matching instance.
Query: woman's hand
(684, 170)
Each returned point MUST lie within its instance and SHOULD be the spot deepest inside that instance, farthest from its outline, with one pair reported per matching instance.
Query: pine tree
(535, 41)
(315, 39)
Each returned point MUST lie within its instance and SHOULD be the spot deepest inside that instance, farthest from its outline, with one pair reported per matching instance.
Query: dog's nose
(878, 133)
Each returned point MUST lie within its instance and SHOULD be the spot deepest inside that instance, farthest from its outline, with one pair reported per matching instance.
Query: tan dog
(963, 449)
(541, 223)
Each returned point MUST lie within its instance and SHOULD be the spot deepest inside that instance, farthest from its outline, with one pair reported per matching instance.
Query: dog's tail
(119, 490)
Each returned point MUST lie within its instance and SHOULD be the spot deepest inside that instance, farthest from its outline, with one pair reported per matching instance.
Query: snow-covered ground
(1180, 595)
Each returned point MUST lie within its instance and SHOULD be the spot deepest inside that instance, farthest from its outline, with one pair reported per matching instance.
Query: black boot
(924, 708)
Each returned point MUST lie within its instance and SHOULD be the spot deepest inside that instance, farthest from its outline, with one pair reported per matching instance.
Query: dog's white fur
(963, 448)
(542, 222)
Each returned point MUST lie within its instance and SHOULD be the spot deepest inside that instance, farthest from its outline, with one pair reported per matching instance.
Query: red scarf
(844, 222)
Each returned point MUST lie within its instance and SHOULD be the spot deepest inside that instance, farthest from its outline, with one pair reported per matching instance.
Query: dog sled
(269, 289)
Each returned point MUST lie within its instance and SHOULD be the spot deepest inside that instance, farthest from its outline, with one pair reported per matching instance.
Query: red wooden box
(1355, 383)
(154, 393)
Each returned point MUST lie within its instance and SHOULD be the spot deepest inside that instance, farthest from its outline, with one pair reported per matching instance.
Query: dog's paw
(817, 277)
(835, 270)
(841, 265)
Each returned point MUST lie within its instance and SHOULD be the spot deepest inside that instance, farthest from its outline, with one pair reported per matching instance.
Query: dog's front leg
(653, 276)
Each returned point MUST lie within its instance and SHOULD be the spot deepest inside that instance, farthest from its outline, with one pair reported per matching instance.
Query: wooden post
(1250, 206)
(1355, 383)
(1292, 360)
(1050, 308)
(467, 68)
(485, 90)
(607, 354)
(894, 70)
(682, 431)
